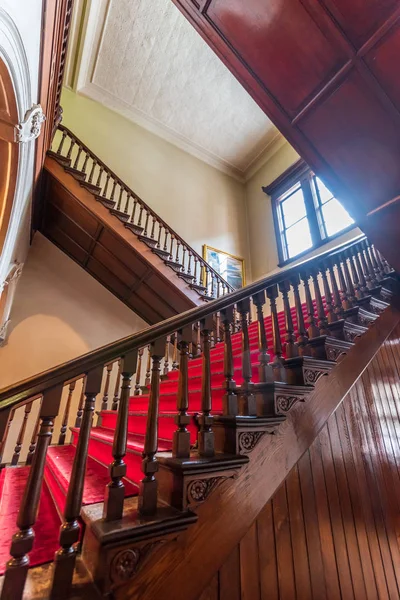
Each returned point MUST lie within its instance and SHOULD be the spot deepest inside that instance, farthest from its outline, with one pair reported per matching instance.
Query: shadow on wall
(59, 313)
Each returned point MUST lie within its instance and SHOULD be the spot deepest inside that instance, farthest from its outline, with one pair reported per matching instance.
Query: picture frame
(229, 266)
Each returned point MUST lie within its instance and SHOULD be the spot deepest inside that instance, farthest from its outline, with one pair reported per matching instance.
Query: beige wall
(262, 241)
(59, 313)
(202, 204)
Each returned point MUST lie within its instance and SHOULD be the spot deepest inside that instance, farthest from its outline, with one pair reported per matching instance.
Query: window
(306, 213)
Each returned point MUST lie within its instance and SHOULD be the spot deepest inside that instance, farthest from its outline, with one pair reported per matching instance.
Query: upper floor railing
(137, 216)
(328, 285)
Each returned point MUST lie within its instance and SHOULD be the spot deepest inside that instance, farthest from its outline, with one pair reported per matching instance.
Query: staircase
(103, 225)
(184, 415)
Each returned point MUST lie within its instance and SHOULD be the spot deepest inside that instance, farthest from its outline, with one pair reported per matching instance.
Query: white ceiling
(143, 59)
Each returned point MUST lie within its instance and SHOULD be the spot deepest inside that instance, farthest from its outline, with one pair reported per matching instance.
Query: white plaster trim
(31, 126)
(265, 155)
(10, 283)
(12, 52)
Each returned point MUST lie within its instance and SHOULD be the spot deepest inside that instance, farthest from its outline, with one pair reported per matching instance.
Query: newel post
(149, 485)
(115, 490)
(23, 539)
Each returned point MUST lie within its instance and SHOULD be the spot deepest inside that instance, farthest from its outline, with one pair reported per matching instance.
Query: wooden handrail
(17, 393)
(145, 206)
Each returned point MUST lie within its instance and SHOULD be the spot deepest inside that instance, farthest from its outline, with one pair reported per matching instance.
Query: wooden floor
(331, 529)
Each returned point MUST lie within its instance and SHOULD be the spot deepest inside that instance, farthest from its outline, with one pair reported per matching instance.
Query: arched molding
(13, 54)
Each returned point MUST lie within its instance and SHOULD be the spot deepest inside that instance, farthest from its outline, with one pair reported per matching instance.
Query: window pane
(298, 238)
(293, 207)
(336, 217)
(324, 193)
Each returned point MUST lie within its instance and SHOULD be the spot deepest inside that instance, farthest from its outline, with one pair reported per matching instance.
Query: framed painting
(230, 267)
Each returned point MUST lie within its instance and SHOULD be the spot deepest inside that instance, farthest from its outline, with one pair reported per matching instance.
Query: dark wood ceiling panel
(162, 305)
(69, 227)
(123, 252)
(63, 241)
(282, 43)
(356, 135)
(66, 203)
(115, 266)
(108, 278)
(359, 19)
(384, 61)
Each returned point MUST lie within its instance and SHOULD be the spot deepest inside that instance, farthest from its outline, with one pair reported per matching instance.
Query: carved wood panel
(330, 531)
(326, 73)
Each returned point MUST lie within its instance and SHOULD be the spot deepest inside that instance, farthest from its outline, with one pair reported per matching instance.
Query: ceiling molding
(265, 155)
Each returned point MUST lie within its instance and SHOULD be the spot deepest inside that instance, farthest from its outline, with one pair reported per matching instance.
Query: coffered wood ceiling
(142, 58)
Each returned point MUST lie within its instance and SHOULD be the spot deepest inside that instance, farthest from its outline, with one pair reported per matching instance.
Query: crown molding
(265, 155)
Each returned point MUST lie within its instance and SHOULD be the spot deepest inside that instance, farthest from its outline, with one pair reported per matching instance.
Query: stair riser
(140, 403)
(55, 489)
(137, 425)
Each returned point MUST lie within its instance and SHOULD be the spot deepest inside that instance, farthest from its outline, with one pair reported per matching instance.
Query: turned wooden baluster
(265, 372)
(114, 405)
(322, 320)
(75, 166)
(149, 486)
(175, 363)
(60, 147)
(312, 330)
(139, 373)
(387, 269)
(181, 439)
(21, 435)
(364, 266)
(148, 368)
(363, 289)
(374, 262)
(23, 539)
(337, 301)
(65, 557)
(115, 491)
(99, 177)
(206, 435)
(71, 147)
(346, 302)
(32, 445)
(330, 313)
(379, 262)
(349, 282)
(218, 327)
(247, 402)
(291, 349)
(63, 431)
(166, 356)
(230, 401)
(278, 362)
(302, 338)
(104, 403)
(80, 406)
(6, 418)
(92, 171)
(371, 270)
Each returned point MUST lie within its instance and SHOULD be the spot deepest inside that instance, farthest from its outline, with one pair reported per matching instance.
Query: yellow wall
(59, 313)
(262, 241)
(200, 203)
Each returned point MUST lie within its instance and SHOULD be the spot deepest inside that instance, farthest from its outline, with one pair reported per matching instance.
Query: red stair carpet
(60, 458)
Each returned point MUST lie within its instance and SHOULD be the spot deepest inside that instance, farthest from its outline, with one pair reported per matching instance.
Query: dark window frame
(300, 173)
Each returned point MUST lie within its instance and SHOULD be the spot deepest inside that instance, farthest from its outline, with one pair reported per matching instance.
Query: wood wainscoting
(331, 529)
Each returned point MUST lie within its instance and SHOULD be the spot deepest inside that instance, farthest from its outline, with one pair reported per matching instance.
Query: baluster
(139, 373)
(149, 486)
(135, 203)
(302, 338)
(77, 158)
(337, 302)
(196, 261)
(374, 281)
(189, 268)
(71, 147)
(98, 182)
(175, 363)
(363, 289)
(146, 223)
(34, 438)
(60, 147)
(346, 302)
(198, 339)
(354, 275)
(140, 216)
(115, 490)
(171, 250)
(183, 258)
(206, 435)
(386, 267)
(205, 279)
(166, 241)
(322, 320)
(65, 557)
(379, 263)
(331, 315)
(278, 362)
(113, 190)
(265, 373)
(181, 439)
(230, 401)
(80, 405)
(106, 186)
(23, 539)
(218, 287)
(213, 287)
(218, 327)
(21, 435)
(85, 162)
(349, 283)
(104, 404)
(63, 431)
(153, 228)
(291, 350)
(92, 170)
(374, 262)
(160, 230)
(247, 402)
(6, 418)
(148, 368)
(312, 330)
(116, 389)
(178, 244)
(166, 356)
(121, 191)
